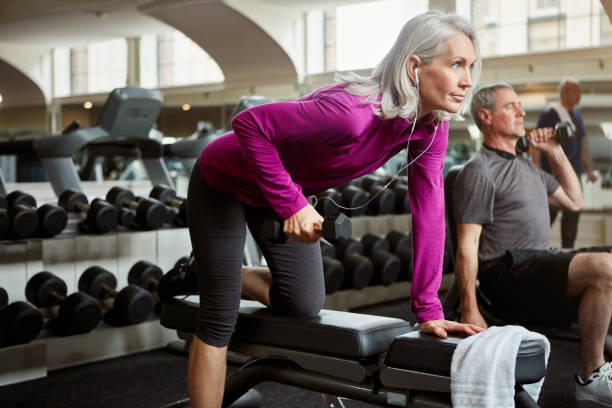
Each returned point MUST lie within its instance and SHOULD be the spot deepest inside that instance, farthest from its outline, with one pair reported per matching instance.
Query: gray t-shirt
(508, 196)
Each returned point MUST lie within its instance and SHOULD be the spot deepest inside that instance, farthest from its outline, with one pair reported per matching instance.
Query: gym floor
(158, 377)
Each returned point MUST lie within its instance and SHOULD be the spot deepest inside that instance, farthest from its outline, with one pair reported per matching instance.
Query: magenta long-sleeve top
(279, 152)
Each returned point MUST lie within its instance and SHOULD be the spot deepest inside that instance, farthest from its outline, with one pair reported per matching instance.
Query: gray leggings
(218, 233)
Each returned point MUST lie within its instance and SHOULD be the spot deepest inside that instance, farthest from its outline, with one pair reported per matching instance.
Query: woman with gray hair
(279, 152)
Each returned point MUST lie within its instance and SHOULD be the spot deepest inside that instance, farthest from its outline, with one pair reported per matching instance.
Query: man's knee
(600, 272)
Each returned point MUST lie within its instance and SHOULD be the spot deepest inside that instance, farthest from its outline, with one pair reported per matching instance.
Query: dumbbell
(150, 213)
(333, 273)
(383, 199)
(5, 220)
(147, 275)
(355, 199)
(100, 216)
(168, 196)
(51, 219)
(400, 245)
(78, 313)
(386, 265)
(402, 202)
(125, 216)
(132, 304)
(357, 268)
(327, 202)
(20, 323)
(564, 133)
(336, 228)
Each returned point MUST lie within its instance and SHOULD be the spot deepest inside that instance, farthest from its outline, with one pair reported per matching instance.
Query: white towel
(563, 114)
(482, 370)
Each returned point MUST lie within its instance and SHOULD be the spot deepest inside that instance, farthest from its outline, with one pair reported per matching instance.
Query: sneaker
(180, 280)
(598, 387)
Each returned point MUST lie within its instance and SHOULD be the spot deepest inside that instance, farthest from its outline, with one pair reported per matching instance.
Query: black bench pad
(333, 333)
(422, 352)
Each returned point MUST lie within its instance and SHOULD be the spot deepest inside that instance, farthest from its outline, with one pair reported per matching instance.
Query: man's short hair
(484, 98)
(565, 81)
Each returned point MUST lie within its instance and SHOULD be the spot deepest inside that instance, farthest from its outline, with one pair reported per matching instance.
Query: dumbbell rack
(68, 255)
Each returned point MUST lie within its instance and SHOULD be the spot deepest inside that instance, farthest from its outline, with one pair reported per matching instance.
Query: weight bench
(378, 360)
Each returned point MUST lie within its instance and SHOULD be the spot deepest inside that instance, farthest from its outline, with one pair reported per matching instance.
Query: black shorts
(530, 286)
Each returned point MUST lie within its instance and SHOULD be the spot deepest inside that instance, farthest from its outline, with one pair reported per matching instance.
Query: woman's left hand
(442, 327)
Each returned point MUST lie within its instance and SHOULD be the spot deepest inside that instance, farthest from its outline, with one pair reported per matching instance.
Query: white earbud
(416, 75)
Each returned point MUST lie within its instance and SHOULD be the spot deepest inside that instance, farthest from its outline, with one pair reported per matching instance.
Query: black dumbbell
(100, 216)
(147, 275)
(336, 229)
(132, 304)
(351, 246)
(52, 219)
(373, 243)
(386, 265)
(125, 216)
(5, 220)
(78, 313)
(20, 323)
(382, 198)
(328, 201)
(564, 133)
(355, 199)
(402, 202)
(168, 196)
(23, 219)
(333, 272)
(358, 271)
(400, 245)
(150, 213)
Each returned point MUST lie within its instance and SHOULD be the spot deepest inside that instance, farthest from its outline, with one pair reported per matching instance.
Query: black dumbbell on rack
(100, 216)
(400, 245)
(382, 199)
(150, 213)
(132, 304)
(5, 220)
(358, 269)
(126, 216)
(78, 312)
(20, 323)
(23, 220)
(51, 219)
(178, 206)
(386, 265)
(354, 198)
(328, 201)
(147, 275)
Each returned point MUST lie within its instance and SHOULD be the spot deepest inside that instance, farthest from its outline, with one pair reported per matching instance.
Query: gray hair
(425, 36)
(565, 81)
(484, 98)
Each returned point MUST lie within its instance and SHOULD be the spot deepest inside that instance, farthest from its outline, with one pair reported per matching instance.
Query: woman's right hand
(304, 226)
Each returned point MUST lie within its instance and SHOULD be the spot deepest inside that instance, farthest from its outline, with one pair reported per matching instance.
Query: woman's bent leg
(217, 230)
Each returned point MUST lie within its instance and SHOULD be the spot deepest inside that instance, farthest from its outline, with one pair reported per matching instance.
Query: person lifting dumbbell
(20, 323)
(132, 305)
(100, 216)
(279, 153)
(150, 213)
(78, 313)
(50, 219)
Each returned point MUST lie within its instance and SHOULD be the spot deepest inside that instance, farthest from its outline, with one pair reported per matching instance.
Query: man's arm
(569, 195)
(586, 161)
(468, 237)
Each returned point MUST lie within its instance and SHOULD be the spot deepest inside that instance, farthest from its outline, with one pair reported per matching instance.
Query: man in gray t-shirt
(503, 237)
